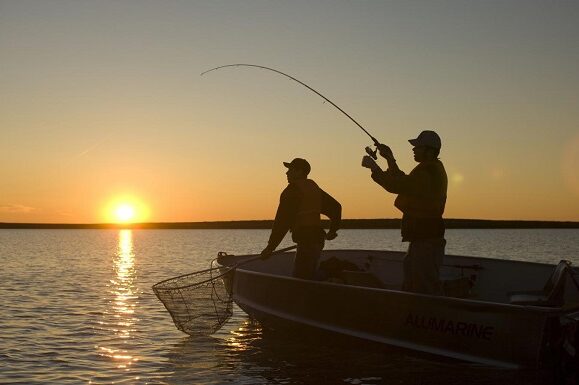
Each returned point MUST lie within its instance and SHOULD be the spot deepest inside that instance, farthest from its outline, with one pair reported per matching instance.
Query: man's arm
(283, 217)
(333, 210)
(387, 179)
(397, 182)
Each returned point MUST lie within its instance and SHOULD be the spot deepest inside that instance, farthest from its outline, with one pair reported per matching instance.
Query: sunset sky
(102, 104)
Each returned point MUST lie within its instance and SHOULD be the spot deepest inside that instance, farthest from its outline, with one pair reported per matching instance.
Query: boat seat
(552, 293)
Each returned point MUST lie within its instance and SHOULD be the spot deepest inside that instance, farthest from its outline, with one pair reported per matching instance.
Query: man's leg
(306, 261)
(410, 267)
(422, 266)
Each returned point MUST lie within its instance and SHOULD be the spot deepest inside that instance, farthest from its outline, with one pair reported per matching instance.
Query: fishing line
(376, 142)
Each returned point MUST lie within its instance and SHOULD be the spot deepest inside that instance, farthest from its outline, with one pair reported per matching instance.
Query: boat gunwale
(575, 268)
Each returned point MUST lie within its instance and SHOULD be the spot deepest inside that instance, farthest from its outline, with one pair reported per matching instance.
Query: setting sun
(125, 209)
(125, 213)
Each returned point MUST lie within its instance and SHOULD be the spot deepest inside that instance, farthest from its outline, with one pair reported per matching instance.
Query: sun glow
(126, 210)
(125, 213)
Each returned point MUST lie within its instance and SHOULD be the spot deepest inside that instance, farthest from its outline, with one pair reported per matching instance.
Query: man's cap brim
(417, 142)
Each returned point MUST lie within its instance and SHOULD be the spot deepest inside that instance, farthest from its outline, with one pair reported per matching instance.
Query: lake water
(77, 308)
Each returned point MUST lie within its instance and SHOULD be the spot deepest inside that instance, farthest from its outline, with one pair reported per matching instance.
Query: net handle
(158, 284)
(238, 264)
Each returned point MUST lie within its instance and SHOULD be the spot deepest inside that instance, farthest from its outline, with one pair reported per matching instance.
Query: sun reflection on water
(240, 339)
(121, 319)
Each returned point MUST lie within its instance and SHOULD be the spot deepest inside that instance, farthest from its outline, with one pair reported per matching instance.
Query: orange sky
(103, 103)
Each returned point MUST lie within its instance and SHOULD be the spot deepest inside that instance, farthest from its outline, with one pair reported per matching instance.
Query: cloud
(93, 146)
(16, 209)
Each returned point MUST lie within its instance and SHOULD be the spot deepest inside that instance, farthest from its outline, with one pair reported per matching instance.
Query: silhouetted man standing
(300, 206)
(421, 198)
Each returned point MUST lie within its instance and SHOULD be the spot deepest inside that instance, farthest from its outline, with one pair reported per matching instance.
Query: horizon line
(361, 223)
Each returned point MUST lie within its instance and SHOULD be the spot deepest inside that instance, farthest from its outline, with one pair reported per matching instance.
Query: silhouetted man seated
(300, 206)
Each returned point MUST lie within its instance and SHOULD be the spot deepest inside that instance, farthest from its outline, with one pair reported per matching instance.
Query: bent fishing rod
(368, 149)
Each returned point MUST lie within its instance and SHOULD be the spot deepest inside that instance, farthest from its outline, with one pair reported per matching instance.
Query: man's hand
(385, 152)
(370, 163)
(266, 253)
(331, 235)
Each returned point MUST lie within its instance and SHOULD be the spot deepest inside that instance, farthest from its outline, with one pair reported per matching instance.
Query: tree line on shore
(385, 223)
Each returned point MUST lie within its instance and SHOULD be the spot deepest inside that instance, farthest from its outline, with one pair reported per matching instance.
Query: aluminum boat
(497, 312)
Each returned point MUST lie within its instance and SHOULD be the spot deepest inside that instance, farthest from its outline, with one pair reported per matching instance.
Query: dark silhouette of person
(421, 196)
(300, 206)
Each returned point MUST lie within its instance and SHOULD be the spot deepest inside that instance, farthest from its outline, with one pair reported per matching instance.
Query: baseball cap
(300, 164)
(427, 138)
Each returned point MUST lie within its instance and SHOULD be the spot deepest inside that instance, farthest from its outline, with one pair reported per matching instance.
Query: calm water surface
(77, 307)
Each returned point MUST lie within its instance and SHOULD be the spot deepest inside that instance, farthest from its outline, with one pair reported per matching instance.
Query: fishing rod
(368, 149)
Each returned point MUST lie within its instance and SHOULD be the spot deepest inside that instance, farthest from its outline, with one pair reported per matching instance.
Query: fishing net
(200, 302)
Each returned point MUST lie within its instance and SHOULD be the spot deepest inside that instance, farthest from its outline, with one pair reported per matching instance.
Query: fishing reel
(371, 152)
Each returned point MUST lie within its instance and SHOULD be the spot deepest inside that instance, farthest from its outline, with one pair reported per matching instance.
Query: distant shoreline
(267, 224)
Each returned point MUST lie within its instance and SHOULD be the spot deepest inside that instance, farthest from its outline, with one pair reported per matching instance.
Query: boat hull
(480, 325)
(501, 335)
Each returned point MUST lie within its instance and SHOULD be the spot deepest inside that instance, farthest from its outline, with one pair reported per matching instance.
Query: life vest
(310, 207)
(431, 201)
(420, 207)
